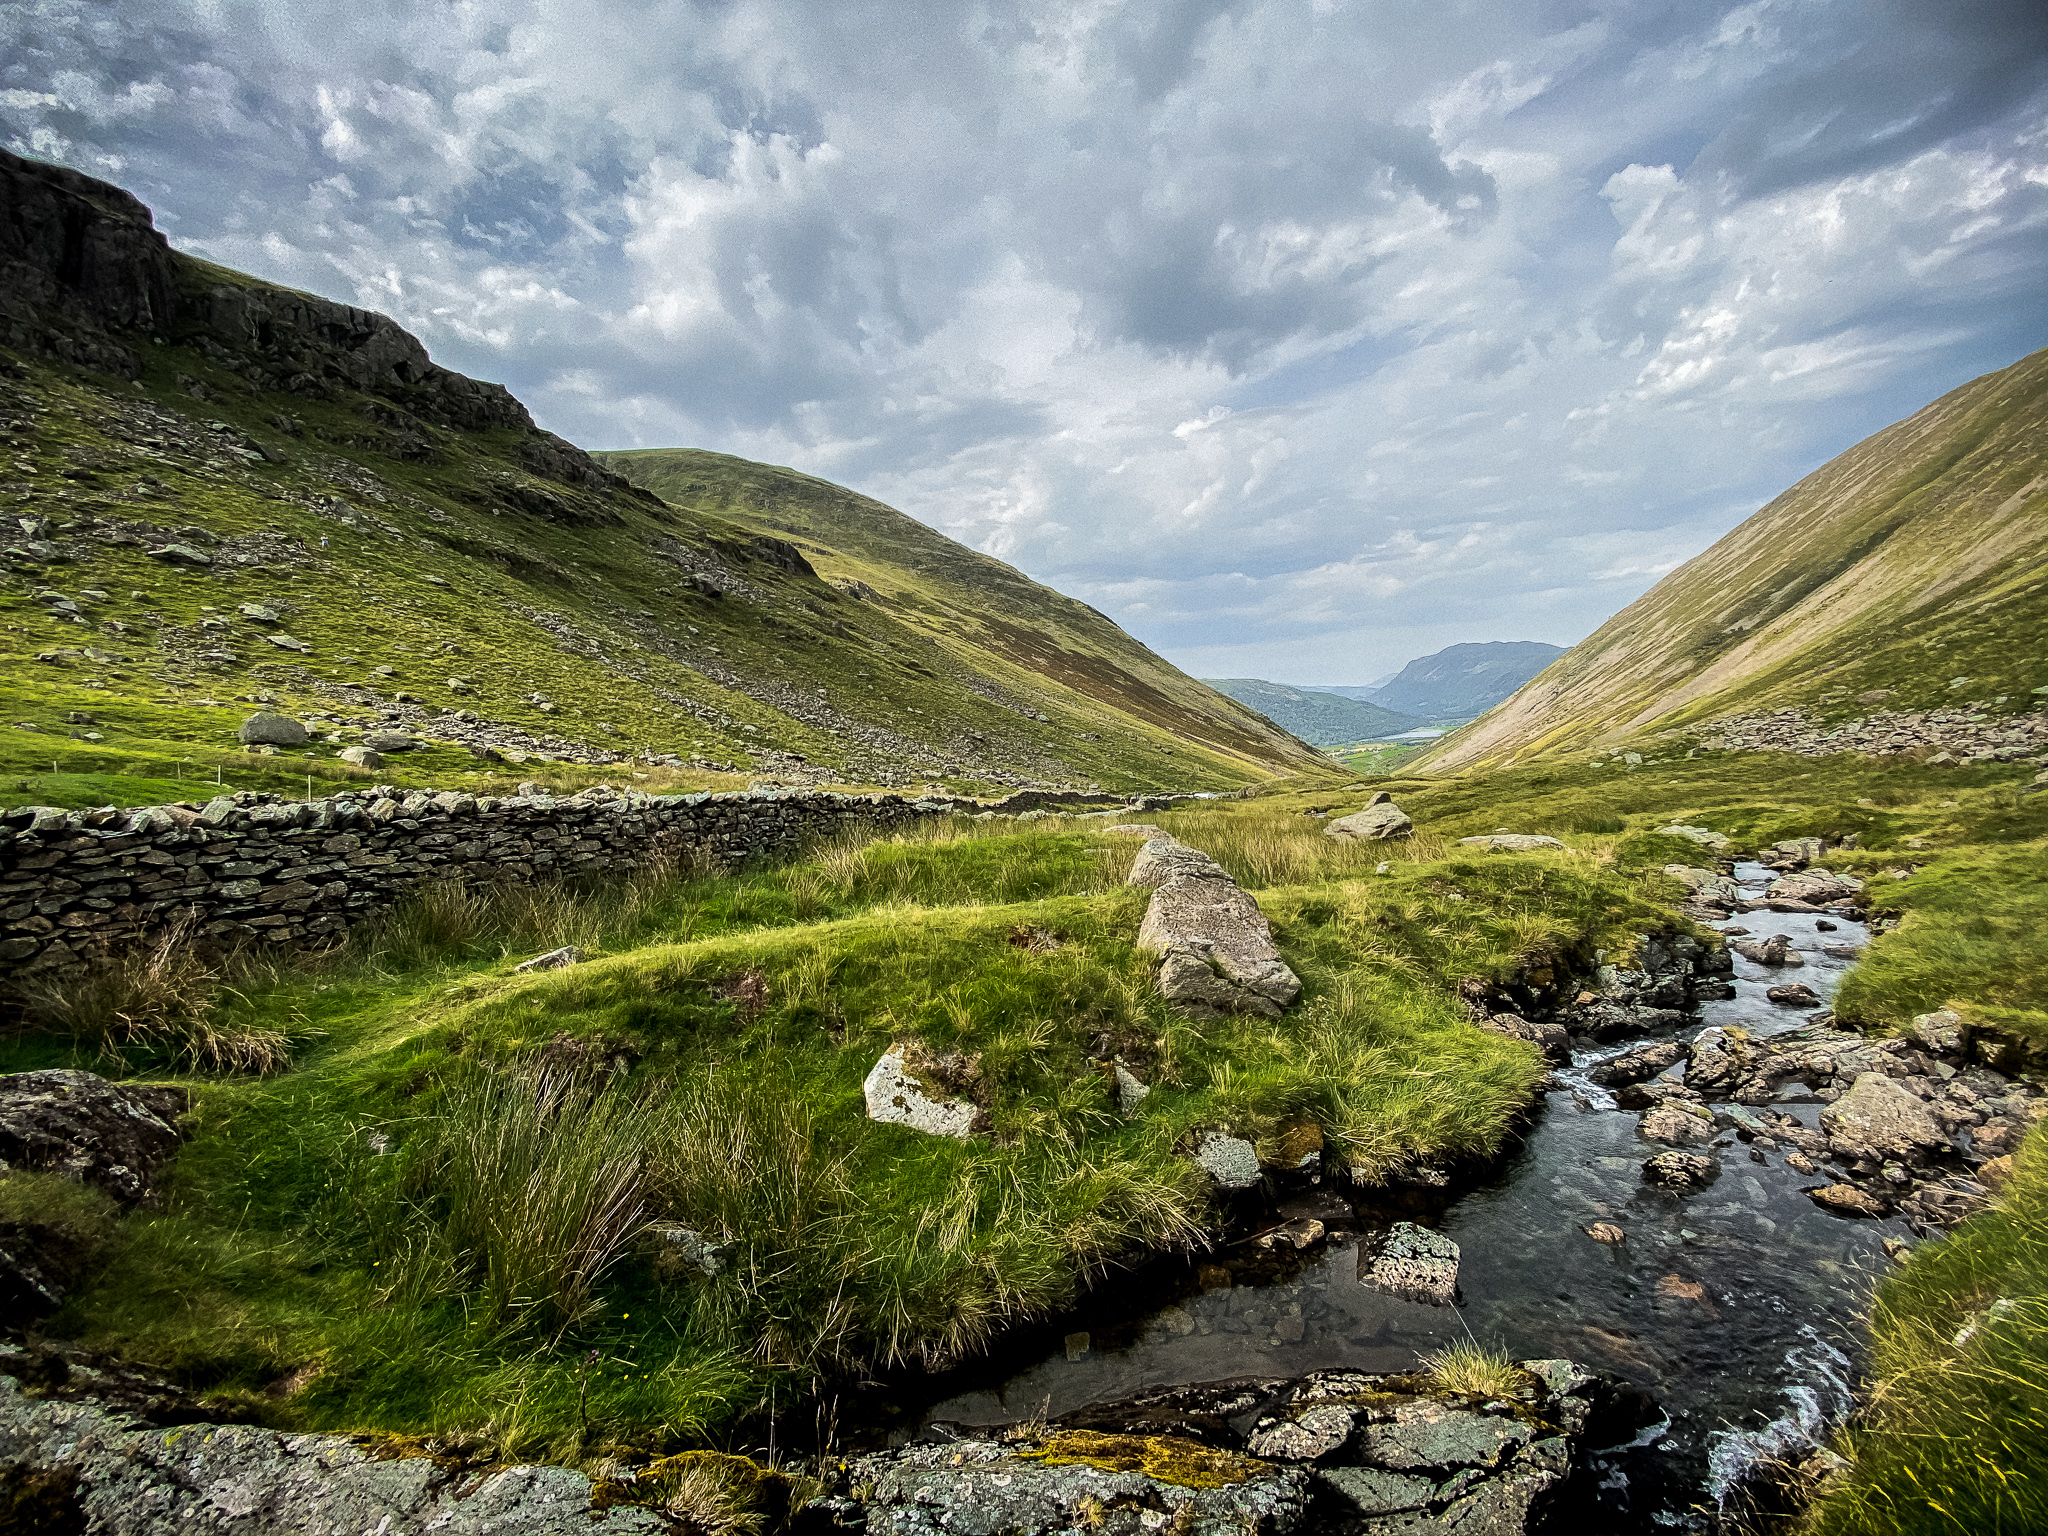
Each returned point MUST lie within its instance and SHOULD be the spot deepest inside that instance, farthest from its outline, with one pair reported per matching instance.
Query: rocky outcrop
(1666, 976)
(1380, 819)
(1910, 1123)
(79, 1126)
(1215, 949)
(1510, 842)
(94, 1470)
(1340, 1453)
(254, 867)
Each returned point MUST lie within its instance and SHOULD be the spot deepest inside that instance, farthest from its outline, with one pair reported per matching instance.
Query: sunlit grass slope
(1911, 561)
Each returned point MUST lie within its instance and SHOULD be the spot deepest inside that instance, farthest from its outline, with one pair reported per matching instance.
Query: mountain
(1321, 718)
(1907, 574)
(224, 492)
(1461, 681)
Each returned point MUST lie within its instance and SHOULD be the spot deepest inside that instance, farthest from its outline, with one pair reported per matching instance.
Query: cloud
(1301, 340)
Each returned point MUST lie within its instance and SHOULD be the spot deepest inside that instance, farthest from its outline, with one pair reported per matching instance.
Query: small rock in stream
(1681, 1170)
(1676, 1125)
(1847, 1200)
(1412, 1263)
(1795, 994)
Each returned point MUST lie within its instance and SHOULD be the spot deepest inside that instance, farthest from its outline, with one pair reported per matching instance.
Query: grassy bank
(455, 1204)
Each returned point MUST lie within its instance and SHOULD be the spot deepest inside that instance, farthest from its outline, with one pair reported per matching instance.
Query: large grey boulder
(1510, 842)
(1877, 1118)
(1380, 819)
(895, 1097)
(268, 729)
(362, 757)
(1215, 949)
(388, 741)
(109, 1477)
(1706, 837)
(1676, 1125)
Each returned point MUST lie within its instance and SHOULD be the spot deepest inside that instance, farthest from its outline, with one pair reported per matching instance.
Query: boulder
(1878, 1119)
(1847, 1200)
(388, 741)
(1412, 1263)
(1706, 884)
(1942, 1032)
(895, 1097)
(1681, 1170)
(182, 554)
(1676, 1125)
(1794, 994)
(1553, 1040)
(79, 1126)
(1380, 819)
(362, 757)
(288, 643)
(553, 960)
(1639, 1065)
(257, 613)
(1815, 887)
(266, 729)
(1510, 842)
(1774, 951)
(1215, 948)
(1792, 854)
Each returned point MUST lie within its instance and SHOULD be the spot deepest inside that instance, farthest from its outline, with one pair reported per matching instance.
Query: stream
(1734, 1306)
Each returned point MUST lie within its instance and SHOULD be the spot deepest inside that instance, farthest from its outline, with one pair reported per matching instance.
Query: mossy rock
(1164, 1458)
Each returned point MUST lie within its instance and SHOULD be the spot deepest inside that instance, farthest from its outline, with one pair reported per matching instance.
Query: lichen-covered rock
(1214, 945)
(1510, 842)
(1681, 1170)
(1411, 1262)
(1848, 1200)
(113, 1479)
(80, 1126)
(1707, 885)
(1814, 887)
(1380, 819)
(1115, 1485)
(895, 1097)
(1552, 1039)
(1878, 1119)
(267, 729)
(1231, 1161)
(1130, 1092)
(1676, 1125)
(1942, 1032)
(362, 757)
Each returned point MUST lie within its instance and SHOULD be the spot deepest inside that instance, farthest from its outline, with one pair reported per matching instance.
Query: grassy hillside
(1322, 719)
(253, 496)
(1004, 635)
(1911, 566)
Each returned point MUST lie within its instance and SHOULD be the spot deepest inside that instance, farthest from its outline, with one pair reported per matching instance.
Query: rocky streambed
(1697, 1212)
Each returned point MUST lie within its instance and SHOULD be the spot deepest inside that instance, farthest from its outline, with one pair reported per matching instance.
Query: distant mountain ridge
(1320, 718)
(1909, 573)
(1461, 681)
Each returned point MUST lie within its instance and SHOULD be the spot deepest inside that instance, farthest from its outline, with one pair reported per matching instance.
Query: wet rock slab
(1341, 1452)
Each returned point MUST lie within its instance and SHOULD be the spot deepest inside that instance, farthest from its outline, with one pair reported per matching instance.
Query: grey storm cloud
(1301, 336)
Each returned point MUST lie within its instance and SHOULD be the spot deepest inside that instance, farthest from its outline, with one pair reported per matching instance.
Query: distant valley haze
(1299, 339)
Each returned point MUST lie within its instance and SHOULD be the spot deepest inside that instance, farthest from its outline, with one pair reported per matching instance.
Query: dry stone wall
(75, 885)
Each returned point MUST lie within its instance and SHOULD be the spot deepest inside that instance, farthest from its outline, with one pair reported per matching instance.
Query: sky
(1302, 337)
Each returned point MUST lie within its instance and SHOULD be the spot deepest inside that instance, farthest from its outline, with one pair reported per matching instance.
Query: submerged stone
(1412, 1263)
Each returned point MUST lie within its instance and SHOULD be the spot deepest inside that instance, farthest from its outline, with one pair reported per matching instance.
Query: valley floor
(632, 1206)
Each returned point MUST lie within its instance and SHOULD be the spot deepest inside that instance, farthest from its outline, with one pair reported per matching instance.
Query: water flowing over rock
(1214, 946)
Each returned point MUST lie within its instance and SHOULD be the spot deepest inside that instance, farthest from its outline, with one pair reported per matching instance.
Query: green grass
(1955, 1437)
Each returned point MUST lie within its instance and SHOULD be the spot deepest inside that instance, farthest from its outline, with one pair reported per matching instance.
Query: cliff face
(86, 278)
(1906, 572)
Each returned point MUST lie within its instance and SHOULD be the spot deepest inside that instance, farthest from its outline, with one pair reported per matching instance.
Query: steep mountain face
(1461, 681)
(219, 492)
(1323, 719)
(1907, 575)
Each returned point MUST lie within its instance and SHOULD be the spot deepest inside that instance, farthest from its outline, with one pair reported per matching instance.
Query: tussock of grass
(1955, 1439)
(163, 1000)
(1469, 1369)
